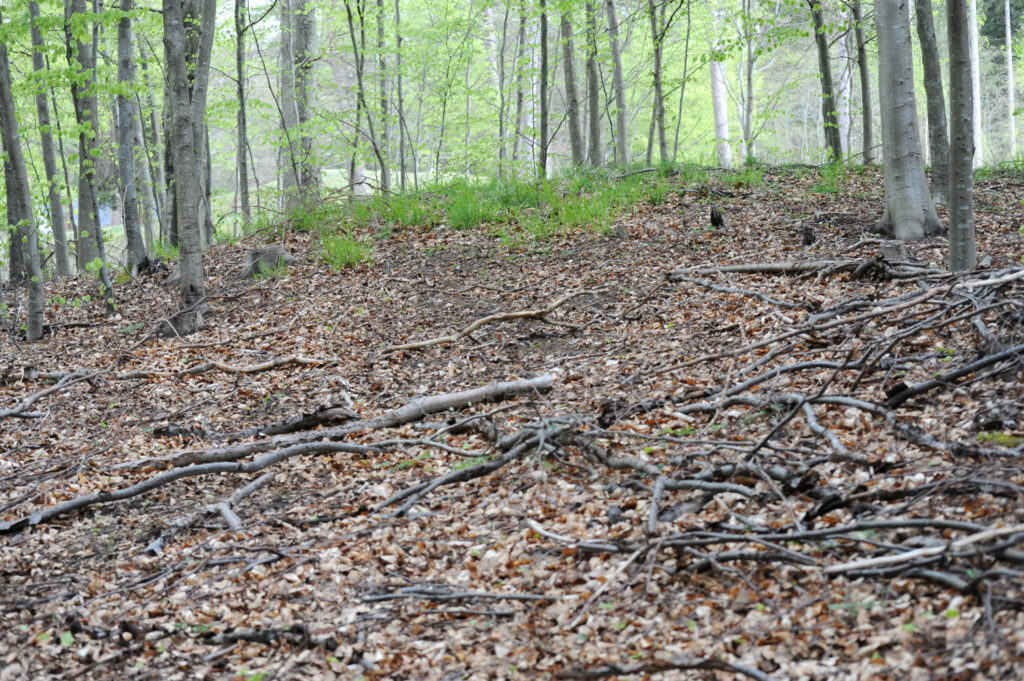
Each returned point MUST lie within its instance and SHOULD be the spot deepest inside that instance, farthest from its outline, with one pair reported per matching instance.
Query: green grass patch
(342, 251)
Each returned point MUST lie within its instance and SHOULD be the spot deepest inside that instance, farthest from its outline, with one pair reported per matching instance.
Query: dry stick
(924, 386)
(413, 411)
(490, 319)
(683, 664)
(601, 589)
(65, 381)
(204, 367)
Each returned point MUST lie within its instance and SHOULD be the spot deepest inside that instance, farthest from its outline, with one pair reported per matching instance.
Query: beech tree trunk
(909, 213)
(975, 57)
(138, 259)
(618, 85)
(19, 192)
(571, 93)
(57, 222)
(382, 86)
(962, 248)
(1010, 94)
(867, 117)
(400, 111)
(833, 141)
(594, 154)
(242, 132)
(938, 135)
(720, 97)
(542, 159)
(184, 144)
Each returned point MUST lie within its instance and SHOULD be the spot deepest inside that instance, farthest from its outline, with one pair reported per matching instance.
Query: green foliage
(1000, 438)
(342, 251)
(830, 180)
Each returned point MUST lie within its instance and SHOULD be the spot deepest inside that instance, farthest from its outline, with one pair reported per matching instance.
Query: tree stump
(894, 251)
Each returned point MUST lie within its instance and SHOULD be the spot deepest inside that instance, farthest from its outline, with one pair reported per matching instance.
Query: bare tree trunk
(183, 144)
(833, 142)
(382, 84)
(138, 259)
(288, 155)
(909, 213)
(16, 229)
(360, 62)
(242, 132)
(497, 47)
(659, 95)
(1010, 94)
(57, 223)
(81, 56)
(682, 84)
(22, 195)
(720, 97)
(938, 136)
(542, 159)
(865, 85)
(402, 130)
(618, 85)
(979, 135)
(593, 90)
(571, 94)
(520, 85)
(148, 208)
(843, 90)
(962, 248)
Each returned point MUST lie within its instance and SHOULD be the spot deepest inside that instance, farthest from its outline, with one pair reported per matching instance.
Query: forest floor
(809, 471)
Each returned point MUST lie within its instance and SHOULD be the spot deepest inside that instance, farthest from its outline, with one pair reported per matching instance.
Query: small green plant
(1000, 438)
(165, 251)
(342, 251)
(830, 180)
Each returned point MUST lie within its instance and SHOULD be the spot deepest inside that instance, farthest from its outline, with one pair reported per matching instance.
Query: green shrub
(341, 251)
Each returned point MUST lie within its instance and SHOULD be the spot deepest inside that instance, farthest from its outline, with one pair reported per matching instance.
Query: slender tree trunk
(21, 194)
(1010, 94)
(148, 208)
(865, 85)
(497, 46)
(17, 228)
(57, 223)
(720, 97)
(962, 248)
(242, 131)
(618, 85)
(138, 259)
(571, 93)
(659, 95)
(938, 136)
(360, 59)
(520, 77)
(843, 90)
(288, 156)
(682, 84)
(403, 132)
(593, 90)
(542, 160)
(382, 85)
(979, 135)
(183, 145)
(909, 213)
(833, 141)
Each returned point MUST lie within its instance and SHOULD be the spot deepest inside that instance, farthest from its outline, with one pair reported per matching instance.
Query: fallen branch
(709, 664)
(489, 319)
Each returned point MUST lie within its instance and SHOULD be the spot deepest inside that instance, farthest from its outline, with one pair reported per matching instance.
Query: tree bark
(242, 132)
(571, 93)
(593, 90)
(17, 232)
(843, 90)
(830, 121)
(21, 195)
(520, 76)
(962, 248)
(868, 144)
(909, 214)
(57, 222)
(360, 63)
(979, 135)
(1010, 94)
(657, 38)
(618, 85)
(184, 145)
(382, 86)
(138, 259)
(719, 97)
(400, 112)
(542, 159)
(938, 135)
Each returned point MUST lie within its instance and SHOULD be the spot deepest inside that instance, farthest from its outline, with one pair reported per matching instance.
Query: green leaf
(67, 639)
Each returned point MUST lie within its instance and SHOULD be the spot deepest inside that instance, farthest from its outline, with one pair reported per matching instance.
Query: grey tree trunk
(593, 90)
(138, 259)
(867, 117)
(382, 86)
(1010, 94)
(17, 228)
(148, 205)
(21, 194)
(57, 222)
(618, 85)
(359, 54)
(962, 247)
(830, 120)
(82, 61)
(288, 156)
(979, 135)
(719, 97)
(82, 57)
(403, 131)
(657, 35)
(909, 214)
(843, 90)
(571, 93)
(542, 134)
(183, 143)
(938, 135)
(242, 133)
(520, 77)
